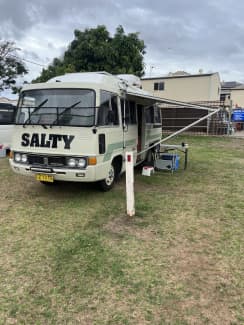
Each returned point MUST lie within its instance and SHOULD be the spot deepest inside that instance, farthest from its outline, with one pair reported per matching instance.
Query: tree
(11, 66)
(95, 50)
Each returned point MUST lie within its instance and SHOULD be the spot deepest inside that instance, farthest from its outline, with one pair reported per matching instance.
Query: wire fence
(177, 117)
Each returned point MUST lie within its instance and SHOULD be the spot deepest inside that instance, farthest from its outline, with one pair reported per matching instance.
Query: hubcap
(109, 180)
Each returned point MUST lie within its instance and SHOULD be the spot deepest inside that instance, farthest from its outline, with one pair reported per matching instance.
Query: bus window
(157, 115)
(130, 111)
(150, 115)
(153, 115)
(108, 110)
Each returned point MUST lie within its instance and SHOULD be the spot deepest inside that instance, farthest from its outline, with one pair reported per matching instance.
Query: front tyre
(107, 183)
(149, 158)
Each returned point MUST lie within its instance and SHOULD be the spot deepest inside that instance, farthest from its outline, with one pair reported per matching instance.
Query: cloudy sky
(179, 34)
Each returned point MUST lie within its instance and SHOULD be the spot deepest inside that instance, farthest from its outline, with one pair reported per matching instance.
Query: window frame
(159, 86)
(151, 113)
(113, 95)
(26, 91)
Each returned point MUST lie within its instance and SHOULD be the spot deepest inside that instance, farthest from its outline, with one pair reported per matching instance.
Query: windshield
(67, 107)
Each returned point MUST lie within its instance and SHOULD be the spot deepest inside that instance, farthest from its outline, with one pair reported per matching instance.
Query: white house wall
(189, 89)
(237, 97)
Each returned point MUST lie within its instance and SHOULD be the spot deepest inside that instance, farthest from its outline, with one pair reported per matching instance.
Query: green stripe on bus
(116, 145)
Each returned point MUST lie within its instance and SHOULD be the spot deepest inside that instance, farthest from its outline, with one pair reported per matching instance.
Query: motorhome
(77, 127)
(7, 113)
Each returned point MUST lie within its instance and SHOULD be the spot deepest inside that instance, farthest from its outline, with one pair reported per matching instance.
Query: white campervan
(77, 127)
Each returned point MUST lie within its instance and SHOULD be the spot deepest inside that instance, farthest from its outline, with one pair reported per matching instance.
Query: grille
(53, 161)
(56, 161)
(35, 160)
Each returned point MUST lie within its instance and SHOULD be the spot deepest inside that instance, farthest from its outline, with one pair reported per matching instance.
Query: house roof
(230, 84)
(173, 76)
(238, 87)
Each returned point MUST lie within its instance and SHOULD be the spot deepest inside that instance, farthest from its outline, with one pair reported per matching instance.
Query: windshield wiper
(66, 109)
(35, 110)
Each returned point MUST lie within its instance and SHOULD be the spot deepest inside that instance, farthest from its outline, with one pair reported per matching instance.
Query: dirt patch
(126, 226)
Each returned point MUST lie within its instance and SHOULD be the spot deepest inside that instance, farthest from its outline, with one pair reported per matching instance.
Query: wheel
(149, 158)
(107, 183)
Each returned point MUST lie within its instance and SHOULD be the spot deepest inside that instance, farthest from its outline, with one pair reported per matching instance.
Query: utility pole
(150, 72)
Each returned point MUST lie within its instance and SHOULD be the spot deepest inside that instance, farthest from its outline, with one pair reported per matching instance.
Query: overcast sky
(179, 34)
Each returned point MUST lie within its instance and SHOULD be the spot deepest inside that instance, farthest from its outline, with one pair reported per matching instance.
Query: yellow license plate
(44, 178)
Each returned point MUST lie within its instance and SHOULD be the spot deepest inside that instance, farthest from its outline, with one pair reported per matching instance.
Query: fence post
(129, 175)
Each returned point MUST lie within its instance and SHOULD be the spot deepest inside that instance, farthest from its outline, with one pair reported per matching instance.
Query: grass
(69, 254)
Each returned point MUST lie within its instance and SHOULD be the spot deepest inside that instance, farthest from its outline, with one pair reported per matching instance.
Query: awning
(143, 94)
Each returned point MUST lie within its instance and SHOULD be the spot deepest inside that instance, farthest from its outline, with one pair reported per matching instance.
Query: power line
(25, 60)
(41, 65)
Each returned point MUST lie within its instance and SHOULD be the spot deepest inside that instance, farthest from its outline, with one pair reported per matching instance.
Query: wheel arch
(117, 161)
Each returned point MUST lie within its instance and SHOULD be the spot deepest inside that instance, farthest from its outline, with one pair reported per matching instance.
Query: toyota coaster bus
(77, 127)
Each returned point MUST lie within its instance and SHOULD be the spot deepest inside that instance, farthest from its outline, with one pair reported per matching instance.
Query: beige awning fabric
(145, 95)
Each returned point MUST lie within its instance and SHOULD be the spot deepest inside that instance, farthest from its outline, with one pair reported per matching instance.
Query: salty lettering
(44, 140)
(67, 140)
(25, 139)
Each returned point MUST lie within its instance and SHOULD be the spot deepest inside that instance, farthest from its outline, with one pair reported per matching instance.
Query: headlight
(17, 157)
(71, 162)
(77, 162)
(81, 162)
(24, 158)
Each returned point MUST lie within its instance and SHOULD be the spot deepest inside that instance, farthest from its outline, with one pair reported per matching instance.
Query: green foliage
(10, 66)
(95, 50)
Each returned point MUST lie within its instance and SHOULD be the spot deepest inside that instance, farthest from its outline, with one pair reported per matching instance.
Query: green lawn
(69, 254)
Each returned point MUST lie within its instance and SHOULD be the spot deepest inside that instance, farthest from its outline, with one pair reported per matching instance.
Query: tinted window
(130, 111)
(149, 114)
(108, 110)
(159, 86)
(153, 115)
(157, 115)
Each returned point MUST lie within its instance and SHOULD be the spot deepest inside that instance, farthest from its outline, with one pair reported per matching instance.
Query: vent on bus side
(102, 144)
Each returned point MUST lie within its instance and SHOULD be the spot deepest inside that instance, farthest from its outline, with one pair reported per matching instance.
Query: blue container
(237, 115)
(174, 158)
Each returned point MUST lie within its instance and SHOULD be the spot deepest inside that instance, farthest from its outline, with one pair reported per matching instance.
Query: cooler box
(168, 162)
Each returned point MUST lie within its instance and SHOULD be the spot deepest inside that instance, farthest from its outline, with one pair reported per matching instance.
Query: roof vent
(131, 80)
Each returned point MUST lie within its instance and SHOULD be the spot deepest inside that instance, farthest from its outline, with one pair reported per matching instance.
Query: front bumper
(59, 174)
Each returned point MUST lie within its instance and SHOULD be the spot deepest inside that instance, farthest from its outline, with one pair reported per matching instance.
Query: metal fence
(177, 117)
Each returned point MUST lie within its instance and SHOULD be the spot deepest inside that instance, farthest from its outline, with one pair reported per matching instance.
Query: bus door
(140, 131)
(129, 118)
